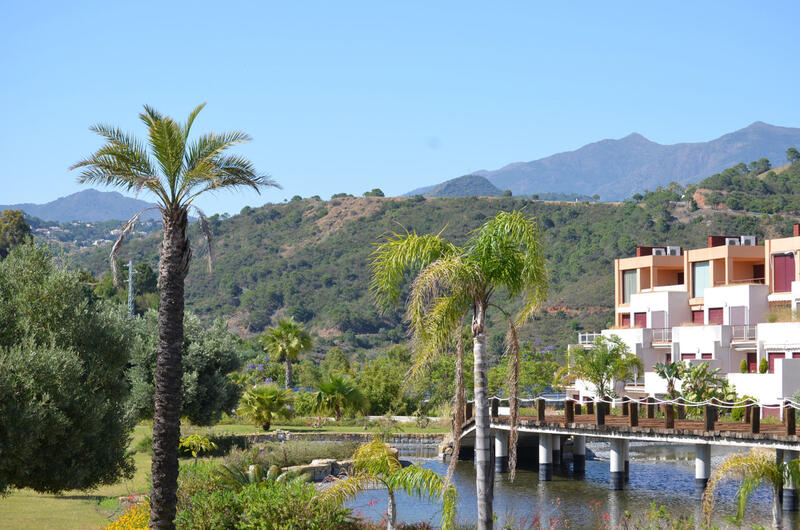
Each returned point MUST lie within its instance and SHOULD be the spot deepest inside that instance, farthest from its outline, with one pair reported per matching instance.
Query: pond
(661, 474)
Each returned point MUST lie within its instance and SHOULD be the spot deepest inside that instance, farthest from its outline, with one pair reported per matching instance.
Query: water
(663, 474)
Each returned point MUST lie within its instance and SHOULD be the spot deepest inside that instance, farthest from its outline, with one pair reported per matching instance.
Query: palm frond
(190, 120)
(458, 407)
(206, 233)
(344, 489)
(512, 349)
(399, 254)
(427, 485)
(115, 248)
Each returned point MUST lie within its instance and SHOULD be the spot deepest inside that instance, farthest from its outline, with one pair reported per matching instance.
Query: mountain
(616, 169)
(466, 186)
(87, 205)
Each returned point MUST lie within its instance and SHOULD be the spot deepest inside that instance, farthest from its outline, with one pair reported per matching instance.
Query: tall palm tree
(610, 360)
(504, 254)
(753, 469)
(175, 170)
(259, 404)
(338, 394)
(375, 465)
(286, 342)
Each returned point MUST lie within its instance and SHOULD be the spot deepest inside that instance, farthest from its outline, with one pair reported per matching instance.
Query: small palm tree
(285, 342)
(337, 395)
(260, 403)
(671, 372)
(452, 283)
(753, 469)
(608, 361)
(375, 465)
(175, 171)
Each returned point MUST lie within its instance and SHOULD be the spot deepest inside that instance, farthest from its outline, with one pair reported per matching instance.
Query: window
(626, 320)
(700, 278)
(698, 317)
(628, 285)
(772, 356)
(705, 356)
(687, 356)
(783, 265)
(640, 320)
(715, 315)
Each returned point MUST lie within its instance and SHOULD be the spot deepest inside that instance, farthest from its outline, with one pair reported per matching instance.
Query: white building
(730, 302)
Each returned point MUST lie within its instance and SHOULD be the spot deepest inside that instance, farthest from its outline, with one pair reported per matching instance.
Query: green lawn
(26, 509)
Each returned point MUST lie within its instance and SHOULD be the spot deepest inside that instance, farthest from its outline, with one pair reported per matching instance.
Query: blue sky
(348, 96)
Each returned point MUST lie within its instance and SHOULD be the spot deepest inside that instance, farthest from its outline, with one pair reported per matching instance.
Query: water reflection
(658, 474)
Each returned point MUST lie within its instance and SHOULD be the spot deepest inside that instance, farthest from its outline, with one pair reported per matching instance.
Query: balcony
(587, 339)
(662, 337)
(743, 333)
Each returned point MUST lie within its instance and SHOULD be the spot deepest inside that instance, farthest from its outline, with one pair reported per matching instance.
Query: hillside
(466, 186)
(87, 206)
(308, 258)
(616, 169)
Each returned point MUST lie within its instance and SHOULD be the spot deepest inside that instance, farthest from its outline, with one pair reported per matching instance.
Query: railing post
(590, 407)
(468, 406)
(633, 417)
(651, 408)
(789, 418)
(600, 413)
(495, 407)
(569, 411)
(669, 416)
(681, 410)
(748, 412)
(540, 403)
(625, 405)
(755, 420)
(710, 417)
(577, 408)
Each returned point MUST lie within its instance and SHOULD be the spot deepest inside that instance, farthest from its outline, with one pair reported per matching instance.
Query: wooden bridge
(641, 420)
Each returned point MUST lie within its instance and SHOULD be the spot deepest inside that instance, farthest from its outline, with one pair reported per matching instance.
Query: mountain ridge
(89, 205)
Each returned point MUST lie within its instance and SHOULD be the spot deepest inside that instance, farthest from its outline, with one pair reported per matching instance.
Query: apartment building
(729, 302)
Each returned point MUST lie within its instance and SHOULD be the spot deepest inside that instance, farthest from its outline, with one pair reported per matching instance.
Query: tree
(63, 354)
(792, 155)
(14, 230)
(504, 253)
(175, 171)
(210, 353)
(753, 469)
(196, 444)
(376, 192)
(260, 403)
(607, 362)
(337, 395)
(375, 464)
(507, 193)
(671, 372)
(335, 362)
(285, 342)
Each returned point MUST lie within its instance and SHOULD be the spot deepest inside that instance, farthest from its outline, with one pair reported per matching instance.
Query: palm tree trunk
(484, 471)
(172, 269)
(289, 380)
(391, 513)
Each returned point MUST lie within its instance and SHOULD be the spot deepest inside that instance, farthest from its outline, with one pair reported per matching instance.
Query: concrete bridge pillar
(617, 474)
(790, 503)
(500, 451)
(545, 457)
(702, 468)
(579, 455)
(556, 443)
(626, 461)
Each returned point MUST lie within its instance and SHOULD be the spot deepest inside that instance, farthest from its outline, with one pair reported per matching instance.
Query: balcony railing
(756, 281)
(587, 338)
(743, 333)
(662, 335)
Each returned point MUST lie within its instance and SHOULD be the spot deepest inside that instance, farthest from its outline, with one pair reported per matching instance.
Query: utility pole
(130, 288)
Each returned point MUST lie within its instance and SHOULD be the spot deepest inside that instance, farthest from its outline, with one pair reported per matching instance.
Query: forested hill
(308, 258)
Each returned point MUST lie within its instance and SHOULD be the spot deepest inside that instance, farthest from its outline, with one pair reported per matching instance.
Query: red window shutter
(626, 320)
(784, 272)
(687, 356)
(669, 358)
(705, 356)
(796, 355)
(698, 317)
(715, 315)
(772, 356)
(752, 365)
(640, 320)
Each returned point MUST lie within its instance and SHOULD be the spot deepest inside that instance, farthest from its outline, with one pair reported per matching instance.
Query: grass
(26, 509)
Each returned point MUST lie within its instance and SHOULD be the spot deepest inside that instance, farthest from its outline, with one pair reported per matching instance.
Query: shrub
(210, 509)
(304, 403)
(289, 453)
(744, 367)
(763, 366)
(136, 517)
(145, 445)
(737, 413)
(195, 479)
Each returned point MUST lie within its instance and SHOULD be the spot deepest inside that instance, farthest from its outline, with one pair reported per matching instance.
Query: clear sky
(348, 96)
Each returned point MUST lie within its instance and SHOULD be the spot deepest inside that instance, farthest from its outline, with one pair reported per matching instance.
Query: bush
(737, 413)
(264, 505)
(744, 367)
(290, 453)
(145, 445)
(304, 403)
(194, 479)
(763, 366)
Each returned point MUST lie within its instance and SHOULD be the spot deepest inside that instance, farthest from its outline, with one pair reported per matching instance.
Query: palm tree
(608, 361)
(375, 465)
(175, 171)
(337, 395)
(671, 372)
(504, 254)
(259, 404)
(286, 342)
(753, 469)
